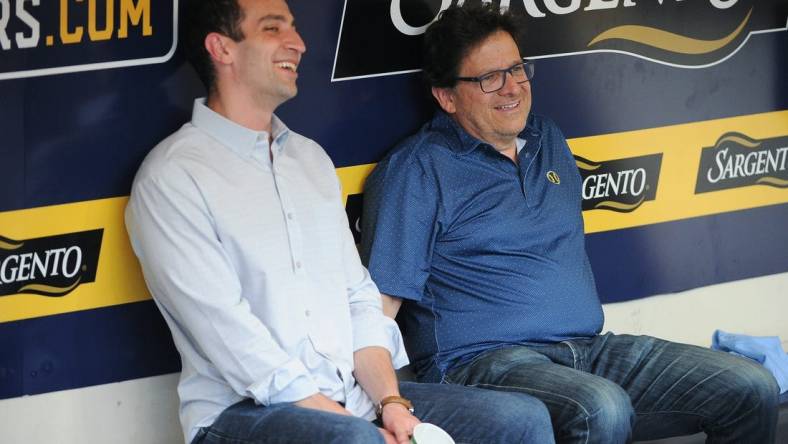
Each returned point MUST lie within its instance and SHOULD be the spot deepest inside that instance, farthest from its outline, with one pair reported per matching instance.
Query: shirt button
(307, 313)
(298, 264)
(290, 216)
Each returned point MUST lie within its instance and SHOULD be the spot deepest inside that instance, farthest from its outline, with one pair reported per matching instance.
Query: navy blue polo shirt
(486, 253)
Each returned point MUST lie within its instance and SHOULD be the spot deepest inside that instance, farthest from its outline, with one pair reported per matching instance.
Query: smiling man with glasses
(475, 223)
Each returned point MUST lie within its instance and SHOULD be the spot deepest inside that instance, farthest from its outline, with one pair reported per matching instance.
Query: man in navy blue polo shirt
(475, 222)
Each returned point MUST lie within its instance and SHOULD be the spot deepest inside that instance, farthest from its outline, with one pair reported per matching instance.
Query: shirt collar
(236, 137)
(466, 143)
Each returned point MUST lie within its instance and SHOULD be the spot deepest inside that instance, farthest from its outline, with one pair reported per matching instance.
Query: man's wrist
(393, 400)
(394, 406)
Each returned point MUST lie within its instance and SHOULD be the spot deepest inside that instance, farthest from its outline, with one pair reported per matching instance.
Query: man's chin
(516, 128)
(286, 94)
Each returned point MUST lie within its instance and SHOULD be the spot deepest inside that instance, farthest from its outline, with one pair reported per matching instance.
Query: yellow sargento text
(106, 19)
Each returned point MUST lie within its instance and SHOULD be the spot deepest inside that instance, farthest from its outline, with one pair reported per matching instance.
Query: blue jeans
(469, 415)
(616, 388)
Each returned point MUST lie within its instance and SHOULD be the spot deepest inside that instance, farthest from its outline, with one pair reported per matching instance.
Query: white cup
(430, 434)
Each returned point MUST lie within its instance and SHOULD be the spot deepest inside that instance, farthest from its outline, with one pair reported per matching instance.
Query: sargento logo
(49, 266)
(46, 37)
(737, 160)
(620, 185)
(692, 34)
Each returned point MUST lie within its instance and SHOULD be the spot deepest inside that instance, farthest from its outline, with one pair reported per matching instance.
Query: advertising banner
(676, 113)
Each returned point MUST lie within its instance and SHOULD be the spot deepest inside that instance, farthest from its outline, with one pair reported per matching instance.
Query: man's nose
(510, 86)
(295, 42)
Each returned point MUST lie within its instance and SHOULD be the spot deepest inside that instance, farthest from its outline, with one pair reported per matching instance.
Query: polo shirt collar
(240, 139)
(465, 143)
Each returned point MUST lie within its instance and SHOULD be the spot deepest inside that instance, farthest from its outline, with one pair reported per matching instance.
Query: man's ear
(445, 98)
(217, 46)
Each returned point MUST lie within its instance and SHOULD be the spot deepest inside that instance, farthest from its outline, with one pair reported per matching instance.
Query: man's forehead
(266, 9)
(497, 49)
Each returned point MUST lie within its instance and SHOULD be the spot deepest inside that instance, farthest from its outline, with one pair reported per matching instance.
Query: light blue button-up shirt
(247, 252)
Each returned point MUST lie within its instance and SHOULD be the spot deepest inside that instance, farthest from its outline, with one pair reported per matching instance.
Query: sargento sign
(382, 37)
(46, 37)
(737, 160)
(49, 266)
(620, 185)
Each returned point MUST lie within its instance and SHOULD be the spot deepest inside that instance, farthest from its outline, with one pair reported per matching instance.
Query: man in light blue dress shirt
(244, 244)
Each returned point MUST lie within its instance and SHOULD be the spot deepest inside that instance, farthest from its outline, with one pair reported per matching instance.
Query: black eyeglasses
(495, 80)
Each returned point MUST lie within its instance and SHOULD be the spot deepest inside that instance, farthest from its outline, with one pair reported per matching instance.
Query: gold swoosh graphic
(773, 181)
(739, 139)
(618, 206)
(49, 289)
(8, 244)
(585, 165)
(667, 40)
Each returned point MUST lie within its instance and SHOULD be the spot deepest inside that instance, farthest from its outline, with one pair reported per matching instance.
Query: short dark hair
(457, 31)
(201, 18)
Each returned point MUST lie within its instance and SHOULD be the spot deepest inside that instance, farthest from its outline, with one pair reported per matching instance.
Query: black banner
(620, 185)
(380, 37)
(49, 266)
(737, 160)
(354, 207)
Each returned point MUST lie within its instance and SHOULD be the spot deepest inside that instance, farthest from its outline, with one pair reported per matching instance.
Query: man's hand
(399, 422)
(387, 436)
(319, 401)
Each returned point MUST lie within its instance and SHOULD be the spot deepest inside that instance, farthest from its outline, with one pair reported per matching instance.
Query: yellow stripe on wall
(681, 146)
(118, 276)
(119, 279)
(352, 179)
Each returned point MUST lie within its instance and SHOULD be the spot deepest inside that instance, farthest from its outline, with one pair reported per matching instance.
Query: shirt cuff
(289, 383)
(375, 330)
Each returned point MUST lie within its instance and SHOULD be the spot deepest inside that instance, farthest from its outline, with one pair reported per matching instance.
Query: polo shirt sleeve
(399, 226)
(194, 283)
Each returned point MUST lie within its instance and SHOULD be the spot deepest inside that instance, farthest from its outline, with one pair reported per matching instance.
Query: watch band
(393, 400)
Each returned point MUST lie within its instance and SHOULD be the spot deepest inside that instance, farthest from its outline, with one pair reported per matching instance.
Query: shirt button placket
(291, 225)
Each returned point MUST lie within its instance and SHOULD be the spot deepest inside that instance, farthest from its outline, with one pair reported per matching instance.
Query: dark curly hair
(457, 31)
(201, 18)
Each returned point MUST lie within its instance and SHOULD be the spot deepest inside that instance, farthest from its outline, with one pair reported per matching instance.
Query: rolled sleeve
(290, 382)
(370, 326)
